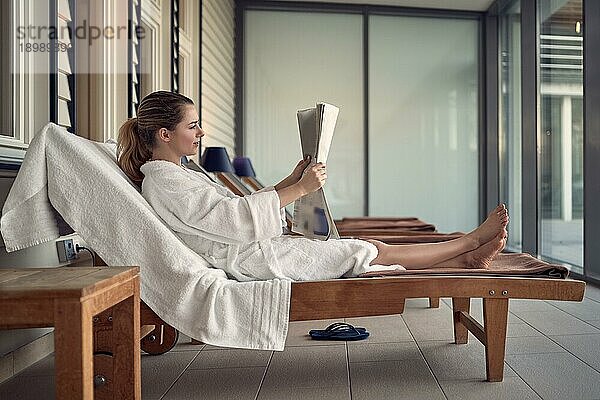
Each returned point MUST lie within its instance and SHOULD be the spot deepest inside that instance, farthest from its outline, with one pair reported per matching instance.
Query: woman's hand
(299, 170)
(313, 179)
(296, 174)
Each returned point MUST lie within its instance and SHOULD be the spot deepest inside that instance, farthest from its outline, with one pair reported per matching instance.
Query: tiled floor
(552, 352)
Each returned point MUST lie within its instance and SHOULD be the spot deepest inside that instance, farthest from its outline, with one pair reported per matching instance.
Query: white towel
(82, 181)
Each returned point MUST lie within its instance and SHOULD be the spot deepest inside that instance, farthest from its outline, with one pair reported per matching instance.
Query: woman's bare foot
(482, 257)
(492, 226)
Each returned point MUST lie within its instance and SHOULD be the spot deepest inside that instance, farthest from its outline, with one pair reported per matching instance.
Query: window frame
(30, 94)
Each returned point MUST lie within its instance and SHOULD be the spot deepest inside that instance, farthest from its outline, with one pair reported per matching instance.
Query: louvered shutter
(218, 96)
(175, 45)
(65, 80)
(134, 50)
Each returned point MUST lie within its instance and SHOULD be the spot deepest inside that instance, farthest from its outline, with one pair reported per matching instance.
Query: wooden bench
(69, 298)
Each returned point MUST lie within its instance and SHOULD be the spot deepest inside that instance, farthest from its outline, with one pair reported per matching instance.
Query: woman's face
(187, 134)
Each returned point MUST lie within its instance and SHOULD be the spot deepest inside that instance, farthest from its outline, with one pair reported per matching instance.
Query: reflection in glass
(561, 131)
(6, 76)
(423, 121)
(313, 57)
(509, 123)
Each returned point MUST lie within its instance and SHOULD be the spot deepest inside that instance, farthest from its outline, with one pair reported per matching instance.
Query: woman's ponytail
(137, 136)
(132, 152)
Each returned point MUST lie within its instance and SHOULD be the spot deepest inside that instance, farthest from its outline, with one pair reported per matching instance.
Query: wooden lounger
(345, 226)
(422, 237)
(412, 225)
(255, 184)
(359, 297)
(378, 218)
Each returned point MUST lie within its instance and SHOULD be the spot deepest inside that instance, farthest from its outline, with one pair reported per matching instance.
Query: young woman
(242, 235)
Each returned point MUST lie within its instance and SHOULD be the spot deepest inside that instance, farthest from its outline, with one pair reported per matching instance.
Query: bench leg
(434, 302)
(495, 317)
(73, 350)
(126, 345)
(461, 333)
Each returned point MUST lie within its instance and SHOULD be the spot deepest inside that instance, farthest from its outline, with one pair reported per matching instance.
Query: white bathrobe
(242, 235)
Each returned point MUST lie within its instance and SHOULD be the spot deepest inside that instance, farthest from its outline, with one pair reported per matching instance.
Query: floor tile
(217, 384)
(384, 329)
(419, 304)
(384, 352)
(233, 358)
(312, 393)
(311, 366)
(393, 380)
(6, 367)
(556, 323)
(531, 345)
(184, 344)
(22, 387)
(159, 372)
(457, 362)
(557, 376)
(421, 307)
(595, 323)
(587, 310)
(529, 305)
(511, 388)
(592, 292)
(476, 311)
(211, 347)
(430, 327)
(44, 367)
(521, 330)
(586, 347)
(29, 354)
(298, 332)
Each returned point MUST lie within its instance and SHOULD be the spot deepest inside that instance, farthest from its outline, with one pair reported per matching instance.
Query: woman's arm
(296, 174)
(193, 205)
(313, 179)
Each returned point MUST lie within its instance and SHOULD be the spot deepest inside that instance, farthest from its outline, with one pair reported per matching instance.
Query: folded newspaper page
(312, 217)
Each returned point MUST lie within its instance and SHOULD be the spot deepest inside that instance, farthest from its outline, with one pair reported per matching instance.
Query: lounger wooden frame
(358, 297)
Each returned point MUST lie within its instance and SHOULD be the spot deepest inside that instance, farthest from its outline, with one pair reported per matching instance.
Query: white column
(566, 158)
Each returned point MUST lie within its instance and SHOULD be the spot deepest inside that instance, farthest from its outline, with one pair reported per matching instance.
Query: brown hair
(137, 135)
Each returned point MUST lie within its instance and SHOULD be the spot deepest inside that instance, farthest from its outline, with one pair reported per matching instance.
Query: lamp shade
(216, 159)
(243, 167)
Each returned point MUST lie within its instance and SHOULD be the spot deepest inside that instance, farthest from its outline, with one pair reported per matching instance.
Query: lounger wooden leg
(434, 302)
(495, 317)
(461, 333)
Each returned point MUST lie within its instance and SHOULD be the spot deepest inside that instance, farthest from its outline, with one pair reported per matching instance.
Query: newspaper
(312, 217)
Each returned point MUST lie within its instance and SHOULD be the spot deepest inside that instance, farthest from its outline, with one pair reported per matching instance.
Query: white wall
(218, 89)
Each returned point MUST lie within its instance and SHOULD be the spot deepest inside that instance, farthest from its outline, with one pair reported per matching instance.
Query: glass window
(423, 122)
(561, 131)
(6, 69)
(509, 123)
(293, 60)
